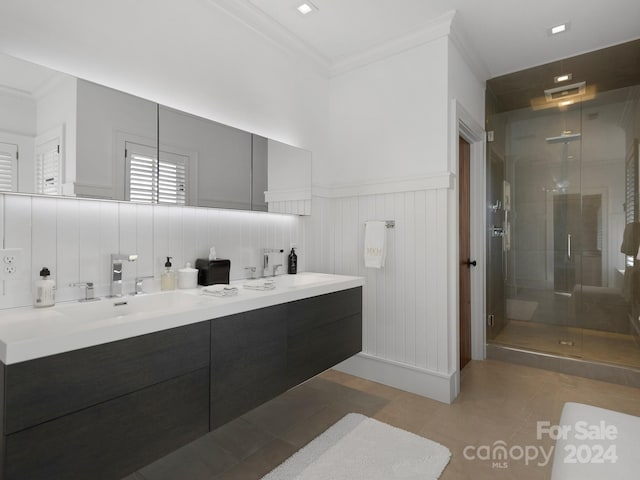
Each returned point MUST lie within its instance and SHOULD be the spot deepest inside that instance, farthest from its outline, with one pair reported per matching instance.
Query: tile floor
(498, 401)
(594, 345)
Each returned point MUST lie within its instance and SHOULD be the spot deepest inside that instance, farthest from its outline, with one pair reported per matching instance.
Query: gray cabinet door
(46, 388)
(248, 361)
(115, 438)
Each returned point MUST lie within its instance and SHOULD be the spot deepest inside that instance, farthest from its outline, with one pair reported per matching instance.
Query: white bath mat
(361, 448)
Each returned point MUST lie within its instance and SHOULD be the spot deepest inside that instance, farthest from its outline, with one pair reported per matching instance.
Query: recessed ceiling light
(563, 27)
(562, 78)
(306, 8)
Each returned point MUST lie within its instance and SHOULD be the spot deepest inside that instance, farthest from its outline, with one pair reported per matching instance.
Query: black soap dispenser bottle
(168, 278)
(292, 264)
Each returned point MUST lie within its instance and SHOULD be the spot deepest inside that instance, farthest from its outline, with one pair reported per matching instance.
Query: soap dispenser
(45, 290)
(168, 278)
(292, 264)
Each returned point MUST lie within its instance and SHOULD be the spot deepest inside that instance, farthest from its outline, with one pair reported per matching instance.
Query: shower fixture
(566, 91)
(564, 138)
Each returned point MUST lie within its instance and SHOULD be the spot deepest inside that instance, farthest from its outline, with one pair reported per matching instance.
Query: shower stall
(563, 223)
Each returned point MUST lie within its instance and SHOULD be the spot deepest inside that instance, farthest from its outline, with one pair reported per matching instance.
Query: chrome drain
(568, 343)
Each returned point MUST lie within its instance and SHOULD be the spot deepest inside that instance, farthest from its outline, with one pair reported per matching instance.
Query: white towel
(375, 244)
(219, 290)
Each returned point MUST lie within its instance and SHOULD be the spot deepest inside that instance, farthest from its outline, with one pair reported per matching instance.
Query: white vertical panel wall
(406, 328)
(74, 239)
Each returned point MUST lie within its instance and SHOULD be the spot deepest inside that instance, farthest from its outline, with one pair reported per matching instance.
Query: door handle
(469, 263)
(568, 245)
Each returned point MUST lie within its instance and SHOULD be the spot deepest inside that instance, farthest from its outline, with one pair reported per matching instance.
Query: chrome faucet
(88, 291)
(138, 287)
(116, 271)
(265, 261)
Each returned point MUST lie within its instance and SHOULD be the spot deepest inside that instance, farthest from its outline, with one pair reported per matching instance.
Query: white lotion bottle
(188, 277)
(44, 290)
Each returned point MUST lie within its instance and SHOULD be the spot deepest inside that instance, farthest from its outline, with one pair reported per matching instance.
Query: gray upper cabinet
(218, 158)
(259, 173)
(111, 127)
(74, 137)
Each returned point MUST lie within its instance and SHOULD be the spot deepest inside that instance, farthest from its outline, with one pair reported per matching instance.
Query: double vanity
(99, 389)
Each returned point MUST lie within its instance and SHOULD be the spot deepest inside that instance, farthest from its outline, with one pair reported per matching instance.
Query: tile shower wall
(405, 303)
(75, 237)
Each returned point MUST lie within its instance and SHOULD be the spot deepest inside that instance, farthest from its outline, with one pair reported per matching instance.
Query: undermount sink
(153, 303)
(300, 280)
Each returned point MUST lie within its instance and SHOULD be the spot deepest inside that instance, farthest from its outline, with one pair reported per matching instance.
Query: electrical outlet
(12, 265)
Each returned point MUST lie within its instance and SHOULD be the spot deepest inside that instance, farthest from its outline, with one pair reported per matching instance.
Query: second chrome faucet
(116, 271)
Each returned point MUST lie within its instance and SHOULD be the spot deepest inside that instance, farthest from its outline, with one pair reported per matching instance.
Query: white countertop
(28, 333)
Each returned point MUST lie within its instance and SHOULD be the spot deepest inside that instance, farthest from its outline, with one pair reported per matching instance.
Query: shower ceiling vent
(566, 92)
(564, 96)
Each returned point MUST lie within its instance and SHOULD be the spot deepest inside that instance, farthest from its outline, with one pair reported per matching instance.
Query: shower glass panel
(567, 278)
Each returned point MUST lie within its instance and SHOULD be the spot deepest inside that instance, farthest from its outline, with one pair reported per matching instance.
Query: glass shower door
(564, 219)
(542, 211)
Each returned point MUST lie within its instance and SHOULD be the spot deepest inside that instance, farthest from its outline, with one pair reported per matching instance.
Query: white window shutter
(148, 181)
(172, 184)
(48, 167)
(8, 167)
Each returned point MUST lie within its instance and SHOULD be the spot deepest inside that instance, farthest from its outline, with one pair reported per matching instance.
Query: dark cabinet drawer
(115, 438)
(318, 349)
(40, 390)
(248, 361)
(310, 313)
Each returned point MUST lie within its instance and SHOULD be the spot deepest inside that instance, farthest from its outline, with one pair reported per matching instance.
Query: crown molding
(255, 19)
(468, 52)
(440, 180)
(437, 28)
(262, 24)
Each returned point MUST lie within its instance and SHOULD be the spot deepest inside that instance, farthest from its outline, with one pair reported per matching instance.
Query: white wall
(388, 119)
(17, 113)
(390, 149)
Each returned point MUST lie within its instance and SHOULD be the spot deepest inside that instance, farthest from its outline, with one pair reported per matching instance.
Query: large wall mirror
(61, 135)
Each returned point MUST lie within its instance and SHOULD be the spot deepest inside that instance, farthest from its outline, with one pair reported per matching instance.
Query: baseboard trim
(421, 381)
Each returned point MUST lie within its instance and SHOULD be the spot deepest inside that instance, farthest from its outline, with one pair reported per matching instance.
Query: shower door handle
(568, 245)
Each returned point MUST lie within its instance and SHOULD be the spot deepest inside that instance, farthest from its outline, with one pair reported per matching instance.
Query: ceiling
(24, 77)
(502, 35)
(603, 70)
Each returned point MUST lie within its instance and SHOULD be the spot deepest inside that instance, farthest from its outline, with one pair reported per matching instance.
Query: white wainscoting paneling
(405, 319)
(74, 238)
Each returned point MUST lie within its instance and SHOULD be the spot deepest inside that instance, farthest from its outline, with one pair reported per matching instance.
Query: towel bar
(390, 223)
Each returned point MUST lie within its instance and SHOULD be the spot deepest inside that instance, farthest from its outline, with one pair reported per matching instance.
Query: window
(48, 168)
(631, 191)
(148, 181)
(8, 167)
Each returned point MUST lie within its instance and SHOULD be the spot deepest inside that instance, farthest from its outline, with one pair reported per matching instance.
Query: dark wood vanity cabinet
(103, 412)
(248, 361)
(257, 355)
(322, 331)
